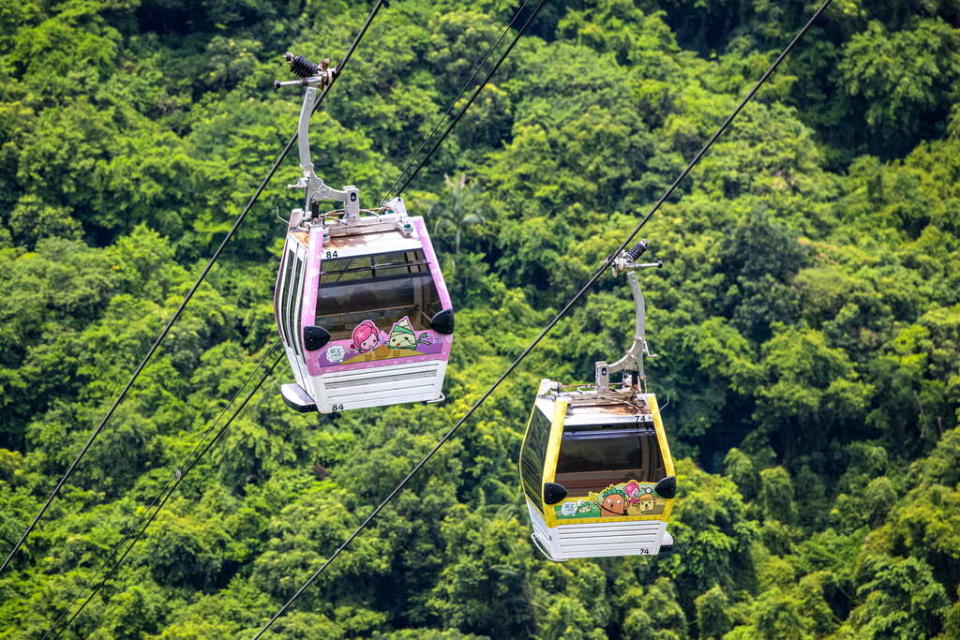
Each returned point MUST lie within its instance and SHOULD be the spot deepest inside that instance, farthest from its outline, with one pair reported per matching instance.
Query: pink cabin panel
(400, 290)
(311, 282)
(431, 257)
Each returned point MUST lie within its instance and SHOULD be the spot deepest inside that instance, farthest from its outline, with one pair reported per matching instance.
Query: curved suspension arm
(632, 360)
(315, 189)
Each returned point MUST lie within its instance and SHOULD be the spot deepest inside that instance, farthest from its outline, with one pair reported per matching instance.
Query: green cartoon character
(402, 336)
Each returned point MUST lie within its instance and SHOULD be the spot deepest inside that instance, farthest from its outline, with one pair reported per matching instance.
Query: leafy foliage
(807, 319)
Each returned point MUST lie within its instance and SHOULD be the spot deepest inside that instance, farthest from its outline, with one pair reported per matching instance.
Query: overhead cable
(196, 285)
(563, 312)
(463, 88)
(136, 532)
(473, 96)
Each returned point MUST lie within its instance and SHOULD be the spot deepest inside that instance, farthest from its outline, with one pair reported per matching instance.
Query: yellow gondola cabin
(595, 466)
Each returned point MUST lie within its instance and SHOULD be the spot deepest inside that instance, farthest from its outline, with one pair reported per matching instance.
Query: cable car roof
(585, 407)
(362, 244)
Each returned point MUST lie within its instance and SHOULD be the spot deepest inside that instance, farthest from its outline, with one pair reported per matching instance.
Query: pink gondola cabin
(361, 306)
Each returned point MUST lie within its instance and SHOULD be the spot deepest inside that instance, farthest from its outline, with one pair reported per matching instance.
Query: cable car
(360, 302)
(595, 465)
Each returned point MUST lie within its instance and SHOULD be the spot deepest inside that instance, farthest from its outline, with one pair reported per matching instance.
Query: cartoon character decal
(368, 343)
(631, 498)
(336, 353)
(366, 336)
(646, 503)
(613, 502)
(402, 336)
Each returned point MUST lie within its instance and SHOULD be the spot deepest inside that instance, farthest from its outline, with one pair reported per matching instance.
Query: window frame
(414, 271)
(286, 290)
(650, 469)
(533, 457)
(297, 305)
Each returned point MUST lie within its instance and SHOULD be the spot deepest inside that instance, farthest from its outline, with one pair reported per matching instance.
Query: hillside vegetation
(807, 318)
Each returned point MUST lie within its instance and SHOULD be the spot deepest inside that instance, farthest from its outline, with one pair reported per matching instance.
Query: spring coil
(636, 251)
(302, 67)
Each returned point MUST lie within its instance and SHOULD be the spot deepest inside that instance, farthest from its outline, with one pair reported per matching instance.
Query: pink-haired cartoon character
(366, 336)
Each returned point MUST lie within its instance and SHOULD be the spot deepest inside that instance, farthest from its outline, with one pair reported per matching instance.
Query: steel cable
(452, 104)
(472, 97)
(191, 461)
(563, 312)
(196, 285)
(470, 100)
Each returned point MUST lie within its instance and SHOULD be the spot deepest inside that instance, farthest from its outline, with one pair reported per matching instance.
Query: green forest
(806, 319)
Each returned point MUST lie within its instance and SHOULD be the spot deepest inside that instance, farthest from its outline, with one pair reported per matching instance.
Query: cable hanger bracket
(631, 364)
(313, 75)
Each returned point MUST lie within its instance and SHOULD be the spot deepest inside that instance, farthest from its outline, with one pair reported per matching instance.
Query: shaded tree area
(807, 320)
(881, 76)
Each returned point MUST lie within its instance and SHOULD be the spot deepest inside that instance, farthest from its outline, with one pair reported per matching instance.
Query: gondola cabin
(597, 474)
(360, 303)
(595, 466)
(363, 313)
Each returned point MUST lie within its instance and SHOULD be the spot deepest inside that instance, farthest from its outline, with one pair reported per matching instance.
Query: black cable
(189, 296)
(606, 265)
(167, 487)
(168, 490)
(463, 88)
(473, 97)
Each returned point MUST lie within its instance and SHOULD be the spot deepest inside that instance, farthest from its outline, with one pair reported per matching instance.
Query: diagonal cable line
(168, 487)
(473, 96)
(463, 89)
(186, 300)
(563, 312)
(192, 459)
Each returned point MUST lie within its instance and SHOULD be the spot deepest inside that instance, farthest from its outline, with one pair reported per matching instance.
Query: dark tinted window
(532, 457)
(286, 291)
(593, 460)
(382, 287)
(296, 303)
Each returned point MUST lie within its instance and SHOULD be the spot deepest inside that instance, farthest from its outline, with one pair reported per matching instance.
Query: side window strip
(288, 290)
(533, 456)
(296, 306)
(278, 298)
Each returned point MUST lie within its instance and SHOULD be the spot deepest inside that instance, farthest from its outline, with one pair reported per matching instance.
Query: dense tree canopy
(807, 320)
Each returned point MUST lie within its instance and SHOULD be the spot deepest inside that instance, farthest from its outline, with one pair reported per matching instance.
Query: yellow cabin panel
(636, 497)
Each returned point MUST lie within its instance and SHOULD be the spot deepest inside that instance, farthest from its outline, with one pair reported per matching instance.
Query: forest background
(806, 320)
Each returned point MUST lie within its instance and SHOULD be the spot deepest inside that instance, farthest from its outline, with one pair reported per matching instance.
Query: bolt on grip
(636, 251)
(303, 68)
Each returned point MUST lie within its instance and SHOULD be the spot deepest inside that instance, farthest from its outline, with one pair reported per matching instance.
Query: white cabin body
(597, 473)
(363, 313)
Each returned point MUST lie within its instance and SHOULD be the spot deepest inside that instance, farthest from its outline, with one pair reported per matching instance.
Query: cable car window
(593, 460)
(286, 290)
(290, 293)
(278, 299)
(296, 305)
(382, 287)
(532, 457)
(376, 265)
